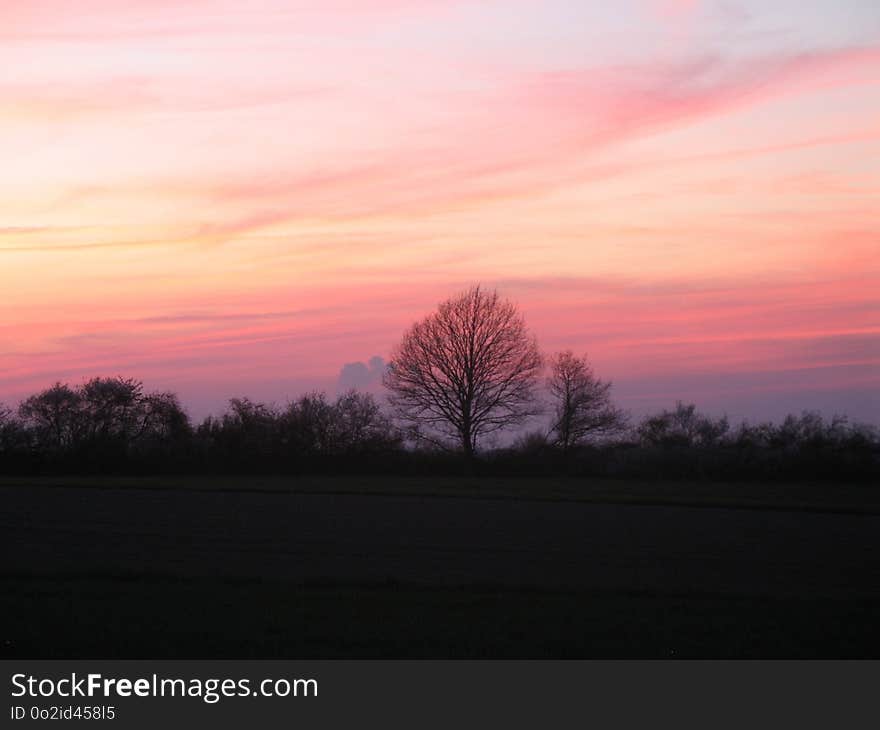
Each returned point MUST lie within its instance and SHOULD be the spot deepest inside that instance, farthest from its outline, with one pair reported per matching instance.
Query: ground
(385, 567)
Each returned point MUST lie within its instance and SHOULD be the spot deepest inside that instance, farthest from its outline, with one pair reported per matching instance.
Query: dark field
(437, 568)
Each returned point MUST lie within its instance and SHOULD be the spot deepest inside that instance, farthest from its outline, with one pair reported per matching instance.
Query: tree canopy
(468, 369)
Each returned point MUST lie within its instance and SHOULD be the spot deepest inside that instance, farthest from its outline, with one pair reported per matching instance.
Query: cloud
(68, 101)
(360, 375)
(520, 135)
(621, 101)
(675, 9)
(533, 133)
(110, 21)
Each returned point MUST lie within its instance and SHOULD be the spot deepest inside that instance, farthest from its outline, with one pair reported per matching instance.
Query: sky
(225, 198)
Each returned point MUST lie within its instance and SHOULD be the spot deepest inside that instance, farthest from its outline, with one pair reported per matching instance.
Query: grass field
(153, 617)
(372, 567)
(805, 496)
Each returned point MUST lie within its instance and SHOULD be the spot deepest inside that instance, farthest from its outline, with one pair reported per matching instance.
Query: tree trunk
(467, 444)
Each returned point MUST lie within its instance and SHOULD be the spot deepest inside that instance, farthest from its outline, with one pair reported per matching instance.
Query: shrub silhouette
(111, 425)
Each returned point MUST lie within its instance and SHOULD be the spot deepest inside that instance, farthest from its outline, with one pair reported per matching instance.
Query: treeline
(111, 425)
(683, 443)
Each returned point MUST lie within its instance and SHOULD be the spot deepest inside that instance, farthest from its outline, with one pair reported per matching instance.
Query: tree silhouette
(466, 370)
(55, 415)
(110, 425)
(13, 434)
(685, 426)
(113, 409)
(103, 419)
(582, 403)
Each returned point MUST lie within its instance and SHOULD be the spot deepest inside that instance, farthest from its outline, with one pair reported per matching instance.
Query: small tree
(55, 416)
(164, 419)
(12, 432)
(112, 412)
(467, 370)
(685, 426)
(308, 425)
(360, 425)
(583, 408)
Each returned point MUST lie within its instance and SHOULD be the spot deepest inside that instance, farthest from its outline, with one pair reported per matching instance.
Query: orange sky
(228, 198)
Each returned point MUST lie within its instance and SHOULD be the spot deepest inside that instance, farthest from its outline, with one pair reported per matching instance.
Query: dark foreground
(137, 573)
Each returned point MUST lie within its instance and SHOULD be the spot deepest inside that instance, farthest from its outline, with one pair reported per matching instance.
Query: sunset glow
(227, 198)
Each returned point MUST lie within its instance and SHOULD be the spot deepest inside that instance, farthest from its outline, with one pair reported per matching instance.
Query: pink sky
(227, 198)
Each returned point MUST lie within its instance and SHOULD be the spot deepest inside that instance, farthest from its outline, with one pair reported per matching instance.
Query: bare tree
(685, 426)
(102, 414)
(12, 432)
(112, 408)
(583, 407)
(360, 424)
(466, 370)
(55, 415)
